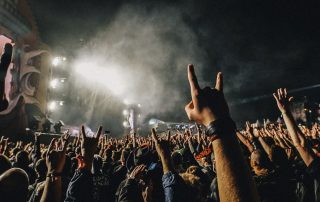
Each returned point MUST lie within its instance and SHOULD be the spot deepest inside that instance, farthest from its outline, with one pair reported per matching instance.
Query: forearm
(166, 164)
(293, 130)
(235, 182)
(298, 139)
(52, 190)
(245, 142)
(265, 146)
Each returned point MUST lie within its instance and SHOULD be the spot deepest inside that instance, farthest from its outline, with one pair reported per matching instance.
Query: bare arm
(245, 141)
(265, 146)
(55, 161)
(162, 147)
(234, 179)
(207, 107)
(295, 133)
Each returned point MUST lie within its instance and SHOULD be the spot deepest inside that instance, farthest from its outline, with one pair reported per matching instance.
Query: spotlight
(139, 105)
(52, 105)
(54, 83)
(61, 103)
(64, 58)
(125, 112)
(56, 61)
(126, 102)
(126, 124)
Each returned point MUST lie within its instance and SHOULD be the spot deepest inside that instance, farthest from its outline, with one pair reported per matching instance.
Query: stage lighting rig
(56, 61)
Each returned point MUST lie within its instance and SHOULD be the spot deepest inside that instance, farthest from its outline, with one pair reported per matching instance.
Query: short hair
(14, 185)
(41, 167)
(5, 164)
(22, 158)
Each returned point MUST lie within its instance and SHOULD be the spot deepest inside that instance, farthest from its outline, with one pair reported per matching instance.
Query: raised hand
(163, 150)
(56, 157)
(65, 136)
(249, 128)
(3, 144)
(162, 145)
(207, 104)
(137, 172)
(282, 99)
(89, 146)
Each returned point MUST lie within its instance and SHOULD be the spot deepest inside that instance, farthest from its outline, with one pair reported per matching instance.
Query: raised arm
(55, 161)
(298, 139)
(208, 107)
(81, 184)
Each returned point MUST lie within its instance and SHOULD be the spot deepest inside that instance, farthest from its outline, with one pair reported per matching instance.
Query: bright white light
(126, 102)
(152, 121)
(112, 76)
(125, 112)
(56, 61)
(52, 105)
(61, 103)
(139, 115)
(54, 83)
(64, 58)
(139, 105)
(126, 124)
(62, 80)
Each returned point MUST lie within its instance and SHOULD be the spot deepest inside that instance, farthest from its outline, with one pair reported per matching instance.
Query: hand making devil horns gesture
(207, 104)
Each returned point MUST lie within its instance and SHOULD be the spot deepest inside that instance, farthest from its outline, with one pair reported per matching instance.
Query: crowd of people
(216, 162)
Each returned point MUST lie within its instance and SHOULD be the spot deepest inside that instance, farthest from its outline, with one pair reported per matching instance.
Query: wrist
(285, 111)
(53, 175)
(54, 170)
(216, 129)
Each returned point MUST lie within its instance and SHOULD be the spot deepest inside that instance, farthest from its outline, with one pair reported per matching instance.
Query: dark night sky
(259, 45)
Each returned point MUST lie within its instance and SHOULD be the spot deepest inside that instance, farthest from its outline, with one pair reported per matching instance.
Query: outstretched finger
(285, 93)
(282, 92)
(248, 124)
(51, 145)
(194, 85)
(169, 136)
(275, 97)
(219, 82)
(65, 144)
(154, 136)
(279, 93)
(99, 132)
(83, 132)
(290, 99)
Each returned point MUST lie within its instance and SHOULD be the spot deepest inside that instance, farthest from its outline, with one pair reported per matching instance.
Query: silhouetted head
(41, 168)
(22, 159)
(14, 185)
(4, 164)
